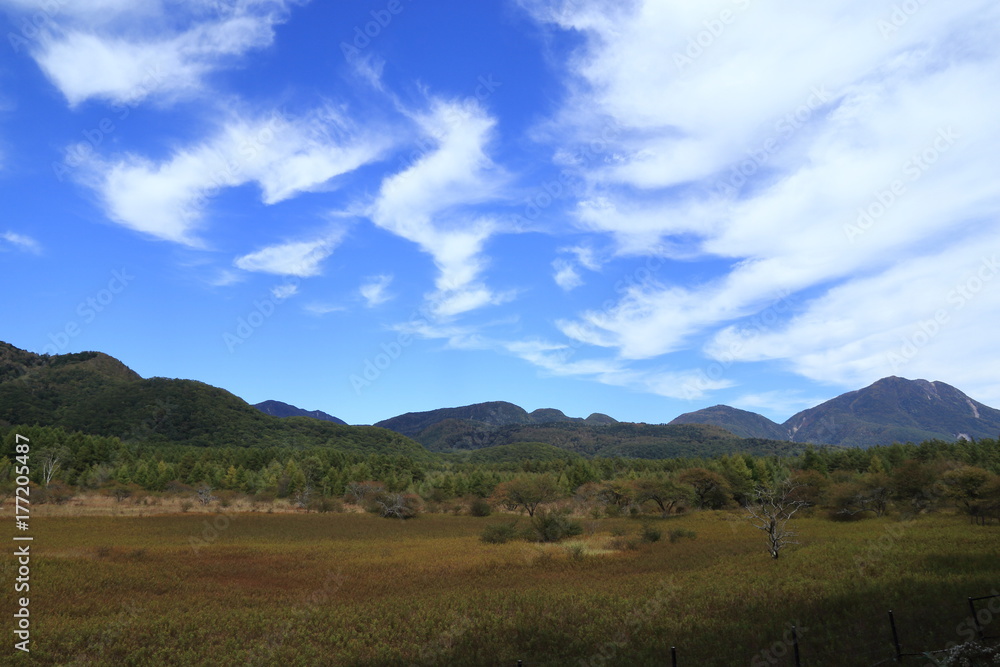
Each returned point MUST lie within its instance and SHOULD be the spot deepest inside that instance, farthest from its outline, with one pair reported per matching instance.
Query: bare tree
(770, 511)
(398, 506)
(51, 459)
(205, 495)
(301, 498)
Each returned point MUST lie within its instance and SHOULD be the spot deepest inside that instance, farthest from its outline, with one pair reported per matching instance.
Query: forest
(849, 482)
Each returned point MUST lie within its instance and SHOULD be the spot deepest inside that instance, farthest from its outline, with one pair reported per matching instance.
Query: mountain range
(494, 413)
(98, 394)
(892, 409)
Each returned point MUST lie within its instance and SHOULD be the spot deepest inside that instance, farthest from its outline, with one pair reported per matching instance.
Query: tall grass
(345, 589)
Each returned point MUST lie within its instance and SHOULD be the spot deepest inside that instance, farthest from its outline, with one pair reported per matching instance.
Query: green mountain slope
(739, 422)
(494, 413)
(96, 394)
(590, 439)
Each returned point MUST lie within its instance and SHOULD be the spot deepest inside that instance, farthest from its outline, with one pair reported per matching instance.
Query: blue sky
(376, 207)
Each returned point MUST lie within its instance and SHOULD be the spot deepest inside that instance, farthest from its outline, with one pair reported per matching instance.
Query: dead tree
(205, 495)
(51, 463)
(770, 511)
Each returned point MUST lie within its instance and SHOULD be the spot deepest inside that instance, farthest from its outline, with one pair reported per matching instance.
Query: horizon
(382, 207)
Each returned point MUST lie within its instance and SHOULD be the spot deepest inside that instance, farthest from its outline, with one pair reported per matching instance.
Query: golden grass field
(290, 589)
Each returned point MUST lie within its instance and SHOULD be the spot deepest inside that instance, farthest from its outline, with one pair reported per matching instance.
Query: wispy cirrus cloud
(779, 157)
(564, 360)
(284, 155)
(14, 241)
(294, 258)
(375, 290)
(125, 52)
(431, 203)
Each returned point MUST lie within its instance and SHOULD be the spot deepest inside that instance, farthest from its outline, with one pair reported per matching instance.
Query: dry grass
(347, 589)
(96, 504)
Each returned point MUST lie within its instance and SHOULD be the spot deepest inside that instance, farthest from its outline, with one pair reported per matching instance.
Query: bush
(626, 543)
(186, 505)
(650, 534)
(550, 527)
(500, 533)
(363, 493)
(398, 505)
(226, 498)
(265, 497)
(576, 550)
(970, 654)
(679, 533)
(326, 505)
(480, 507)
(56, 492)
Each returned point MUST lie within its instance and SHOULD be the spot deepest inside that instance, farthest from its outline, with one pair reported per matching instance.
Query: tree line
(850, 482)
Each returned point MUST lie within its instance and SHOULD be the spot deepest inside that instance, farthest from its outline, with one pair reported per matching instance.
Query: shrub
(186, 505)
(363, 493)
(326, 505)
(650, 534)
(265, 497)
(551, 527)
(175, 486)
(680, 533)
(499, 533)
(576, 550)
(969, 654)
(56, 492)
(480, 507)
(626, 543)
(398, 505)
(226, 498)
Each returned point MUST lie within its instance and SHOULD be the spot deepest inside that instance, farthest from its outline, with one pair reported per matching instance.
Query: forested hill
(647, 441)
(93, 393)
(490, 414)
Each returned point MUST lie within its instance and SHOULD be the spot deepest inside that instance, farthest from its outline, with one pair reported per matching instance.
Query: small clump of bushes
(678, 534)
(544, 527)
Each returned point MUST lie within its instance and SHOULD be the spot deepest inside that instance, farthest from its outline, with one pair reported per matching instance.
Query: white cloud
(373, 290)
(283, 155)
(429, 204)
(781, 403)
(920, 319)
(755, 154)
(561, 360)
(284, 291)
(125, 52)
(19, 242)
(323, 308)
(294, 258)
(566, 269)
(566, 275)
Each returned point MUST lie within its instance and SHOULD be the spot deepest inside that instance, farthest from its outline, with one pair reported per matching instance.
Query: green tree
(528, 492)
(972, 489)
(666, 493)
(711, 490)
